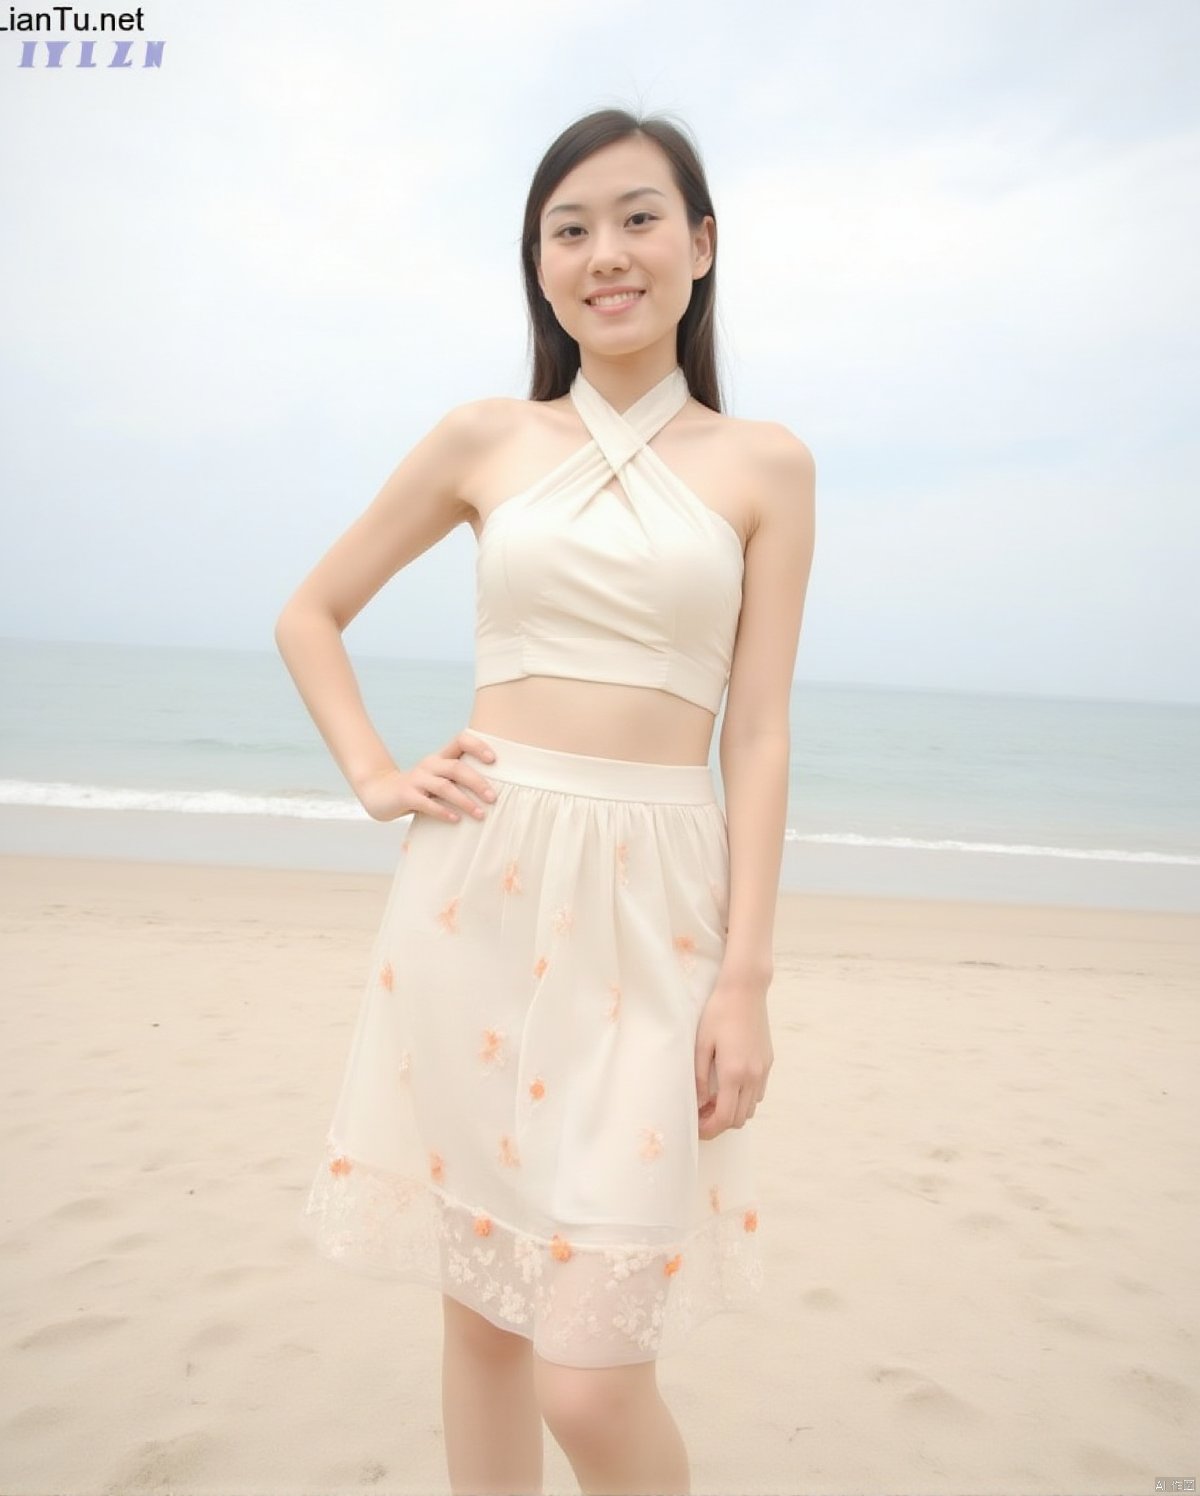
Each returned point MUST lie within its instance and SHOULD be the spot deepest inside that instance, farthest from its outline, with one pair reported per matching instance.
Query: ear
(703, 245)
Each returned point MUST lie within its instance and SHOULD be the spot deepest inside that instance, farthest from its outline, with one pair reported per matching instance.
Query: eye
(641, 213)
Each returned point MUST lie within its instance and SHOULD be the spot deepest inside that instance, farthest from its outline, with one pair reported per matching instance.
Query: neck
(622, 381)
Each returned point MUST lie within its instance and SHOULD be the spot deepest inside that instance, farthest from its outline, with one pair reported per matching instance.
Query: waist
(536, 767)
(598, 718)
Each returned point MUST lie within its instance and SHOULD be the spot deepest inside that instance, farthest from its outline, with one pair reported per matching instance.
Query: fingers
(450, 778)
(460, 778)
(467, 742)
(719, 1112)
(435, 801)
(470, 777)
(705, 1074)
(443, 797)
(451, 788)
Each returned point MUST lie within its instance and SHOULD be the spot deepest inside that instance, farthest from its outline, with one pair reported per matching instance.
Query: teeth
(614, 300)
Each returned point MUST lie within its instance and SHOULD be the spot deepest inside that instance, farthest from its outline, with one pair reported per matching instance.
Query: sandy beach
(979, 1202)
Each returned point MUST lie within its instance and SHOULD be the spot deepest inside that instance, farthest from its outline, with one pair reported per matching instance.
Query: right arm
(421, 502)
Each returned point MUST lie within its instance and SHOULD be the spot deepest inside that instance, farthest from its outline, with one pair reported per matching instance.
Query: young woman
(564, 1030)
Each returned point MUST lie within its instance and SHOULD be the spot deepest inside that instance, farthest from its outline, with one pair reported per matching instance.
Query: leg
(614, 1428)
(491, 1417)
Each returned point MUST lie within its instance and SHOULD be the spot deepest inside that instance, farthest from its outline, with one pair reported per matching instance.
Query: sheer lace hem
(581, 1304)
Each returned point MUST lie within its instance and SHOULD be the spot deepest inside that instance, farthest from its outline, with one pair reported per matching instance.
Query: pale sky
(954, 257)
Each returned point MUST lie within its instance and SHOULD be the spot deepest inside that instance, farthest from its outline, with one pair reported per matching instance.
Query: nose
(607, 252)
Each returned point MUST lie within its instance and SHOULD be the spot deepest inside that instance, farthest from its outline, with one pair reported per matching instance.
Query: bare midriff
(597, 717)
(601, 718)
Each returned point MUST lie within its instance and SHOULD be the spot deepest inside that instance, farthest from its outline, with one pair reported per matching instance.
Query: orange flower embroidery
(493, 1054)
(750, 1220)
(714, 1197)
(508, 1152)
(652, 1142)
(560, 1248)
(511, 882)
(483, 1224)
(437, 1169)
(405, 842)
(614, 1007)
(340, 1165)
(540, 966)
(622, 866)
(564, 918)
(537, 1089)
(673, 1266)
(387, 976)
(448, 917)
(685, 947)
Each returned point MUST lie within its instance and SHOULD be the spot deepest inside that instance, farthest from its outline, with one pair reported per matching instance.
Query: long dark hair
(555, 352)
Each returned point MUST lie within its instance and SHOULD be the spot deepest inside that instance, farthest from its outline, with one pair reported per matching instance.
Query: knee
(589, 1404)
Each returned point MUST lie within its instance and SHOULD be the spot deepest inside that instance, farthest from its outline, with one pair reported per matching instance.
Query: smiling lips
(614, 302)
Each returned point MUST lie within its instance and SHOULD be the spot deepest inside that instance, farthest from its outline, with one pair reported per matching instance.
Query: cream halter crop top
(574, 580)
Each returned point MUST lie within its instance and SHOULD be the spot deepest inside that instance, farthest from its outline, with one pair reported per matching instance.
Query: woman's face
(591, 241)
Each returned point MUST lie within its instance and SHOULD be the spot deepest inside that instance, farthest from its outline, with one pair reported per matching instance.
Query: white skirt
(517, 1124)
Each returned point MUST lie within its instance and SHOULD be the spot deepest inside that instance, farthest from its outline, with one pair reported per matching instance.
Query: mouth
(604, 301)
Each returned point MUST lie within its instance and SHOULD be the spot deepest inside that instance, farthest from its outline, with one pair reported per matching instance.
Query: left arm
(755, 746)
(732, 1041)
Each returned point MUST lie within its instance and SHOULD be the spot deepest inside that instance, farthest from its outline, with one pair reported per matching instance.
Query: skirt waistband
(602, 778)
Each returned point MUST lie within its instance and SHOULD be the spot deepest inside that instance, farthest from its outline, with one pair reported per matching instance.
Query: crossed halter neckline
(621, 434)
(619, 440)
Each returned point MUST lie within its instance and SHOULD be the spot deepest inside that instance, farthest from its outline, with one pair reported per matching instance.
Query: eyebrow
(621, 198)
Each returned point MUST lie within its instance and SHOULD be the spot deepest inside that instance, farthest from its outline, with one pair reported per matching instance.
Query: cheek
(669, 264)
(555, 275)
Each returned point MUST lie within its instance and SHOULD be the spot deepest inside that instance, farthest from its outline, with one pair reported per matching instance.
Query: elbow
(294, 613)
(301, 604)
(282, 623)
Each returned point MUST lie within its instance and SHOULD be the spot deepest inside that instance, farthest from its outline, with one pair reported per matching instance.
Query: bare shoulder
(478, 417)
(473, 429)
(781, 455)
(782, 471)
(490, 431)
(787, 485)
(778, 441)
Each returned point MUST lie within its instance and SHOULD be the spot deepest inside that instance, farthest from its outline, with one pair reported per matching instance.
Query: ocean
(182, 754)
